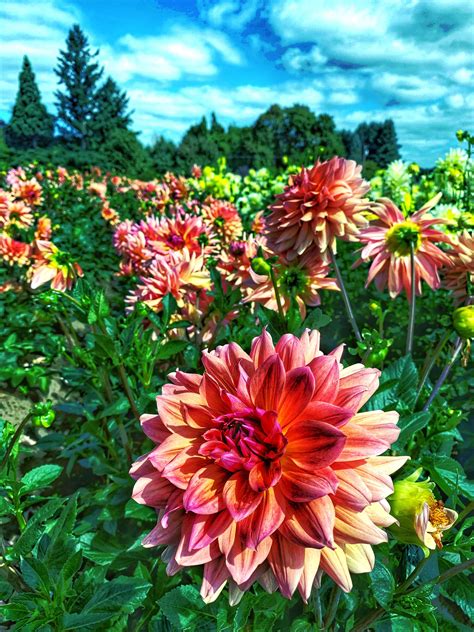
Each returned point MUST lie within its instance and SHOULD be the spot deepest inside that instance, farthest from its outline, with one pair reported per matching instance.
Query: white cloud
(297, 60)
(231, 14)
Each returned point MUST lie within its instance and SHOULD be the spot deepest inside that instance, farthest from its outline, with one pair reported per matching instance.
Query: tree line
(92, 126)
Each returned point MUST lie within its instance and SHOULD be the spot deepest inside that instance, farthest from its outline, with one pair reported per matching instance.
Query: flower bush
(299, 457)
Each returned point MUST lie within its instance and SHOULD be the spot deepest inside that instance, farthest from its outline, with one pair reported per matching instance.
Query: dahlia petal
(352, 491)
(189, 557)
(164, 535)
(262, 348)
(264, 521)
(152, 490)
(291, 352)
(214, 579)
(239, 497)
(204, 492)
(312, 558)
(182, 468)
(326, 375)
(167, 450)
(207, 528)
(310, 340)
(369, 434)
(286, 560)
(327, 413)
(357, 385)
(267, 383)
(313, 522)
(217, 369)
(170, 408)
(360, 558)
(212, 394)
(297, 394)
(314, 444)
(379, 514)
(242, 561)
(334, 563)
(301, 486)
(154, 428)
(352, 527)
(142, 467)
(264, 474)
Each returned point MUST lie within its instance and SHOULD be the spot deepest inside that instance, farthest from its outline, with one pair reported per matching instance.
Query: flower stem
(430, 362)
(15, 438)
(128, 392)
(457, 348)
(411, 320)
(277, 293)
(345, 296)
(332, 606)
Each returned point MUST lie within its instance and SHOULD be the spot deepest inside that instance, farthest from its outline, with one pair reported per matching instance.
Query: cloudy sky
(411, 60)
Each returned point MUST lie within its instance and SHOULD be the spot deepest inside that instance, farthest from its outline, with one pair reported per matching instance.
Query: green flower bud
(463, 321)
(43, 414)
(421, 518)
(260, 266)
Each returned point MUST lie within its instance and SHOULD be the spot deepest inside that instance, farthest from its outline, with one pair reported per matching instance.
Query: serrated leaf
(119, 593)
(119, 407)
(398, 386)
(40, 477)
(183, 607)
(171, 348)
(35, 527)
(35, 574)
(449, 475)
(383, 584)
(410, 424)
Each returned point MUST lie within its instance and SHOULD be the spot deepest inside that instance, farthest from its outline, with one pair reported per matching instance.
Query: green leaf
(169, 307)
(117, 408)
(449, 475)
(171, 348)
(316, 320)
(40, 477)
(184, 607)
(35, 528)
(398, 386)
(410, 424)
(123, 592)
(35, 574)
(383, 584)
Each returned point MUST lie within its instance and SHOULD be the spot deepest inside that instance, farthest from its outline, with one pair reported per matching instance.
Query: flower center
(400, 237)
(175, 241)
(439, 519)
(250, 440)
(293, 281)
(237, 248)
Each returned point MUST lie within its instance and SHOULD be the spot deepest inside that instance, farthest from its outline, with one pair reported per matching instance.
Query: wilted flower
(52, 264)
(300, 280)
(421, 518)
(264, 470)
(460, 276)
(318, 205)
(388, 242)
(223, 218)
(176, 273)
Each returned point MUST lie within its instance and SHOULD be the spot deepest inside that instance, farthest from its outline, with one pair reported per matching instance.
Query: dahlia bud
(43, 414)
(463, 321)
(260, 266)
(461, 135)
(421, 518)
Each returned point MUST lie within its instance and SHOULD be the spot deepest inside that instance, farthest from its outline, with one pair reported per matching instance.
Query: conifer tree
(30, 125)
(79, 73)
(110, 113)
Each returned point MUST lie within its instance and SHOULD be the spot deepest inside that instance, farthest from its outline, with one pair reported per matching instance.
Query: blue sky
(411, 60)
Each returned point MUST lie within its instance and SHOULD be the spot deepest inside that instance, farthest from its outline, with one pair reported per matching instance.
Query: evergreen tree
(376, 142)
(30, 124)
(110, 112)
(79, 73)
(163, 155)
(197, 147)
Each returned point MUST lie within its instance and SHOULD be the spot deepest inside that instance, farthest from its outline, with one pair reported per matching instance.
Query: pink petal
(313, 445)
(301, 486)
(291, 352)
(297, 394)
(239, 497)
(287, 563)
(204, 492)
(267, 383)
(264, 521)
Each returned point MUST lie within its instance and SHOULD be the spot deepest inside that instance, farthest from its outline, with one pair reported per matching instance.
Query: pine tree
(163, 155)
(30, 125)
(110, 112)
(79, 73)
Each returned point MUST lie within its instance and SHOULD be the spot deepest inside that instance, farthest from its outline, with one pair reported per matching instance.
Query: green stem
(15, 438)
(457, 348)
(411, 320)
(277, 293)
(345, 296)
(332, 606)
(430, 362)
(126, 387)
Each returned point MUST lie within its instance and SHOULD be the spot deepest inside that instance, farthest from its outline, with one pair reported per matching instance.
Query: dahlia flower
(13, 251)
(51, 264)
(18, 215)
(43, 228)
(264, 470)
(318, 205)
(14, 176)
(459, 278)
(29, 191)
(235, 260)
(176, 273)
(109, 214)
(223, 217)
(182, 231)
(258, 224)
(388, 242)
(299, 279)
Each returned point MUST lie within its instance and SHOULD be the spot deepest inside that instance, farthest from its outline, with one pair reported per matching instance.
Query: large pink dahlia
(264, 470)
(319, 205)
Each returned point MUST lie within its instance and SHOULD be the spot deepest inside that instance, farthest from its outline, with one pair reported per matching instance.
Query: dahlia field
(237, 403)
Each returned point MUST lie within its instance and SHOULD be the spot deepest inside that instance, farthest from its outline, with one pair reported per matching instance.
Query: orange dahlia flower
(18, 215)
(265, 470)
(182, 231)
(460, 277)
(176, 273)
(52, 264)
(13, 251)
(223, 218)
(29, 191)
(43, 228)
(301, 279)
(318, 205)
(388, 242)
